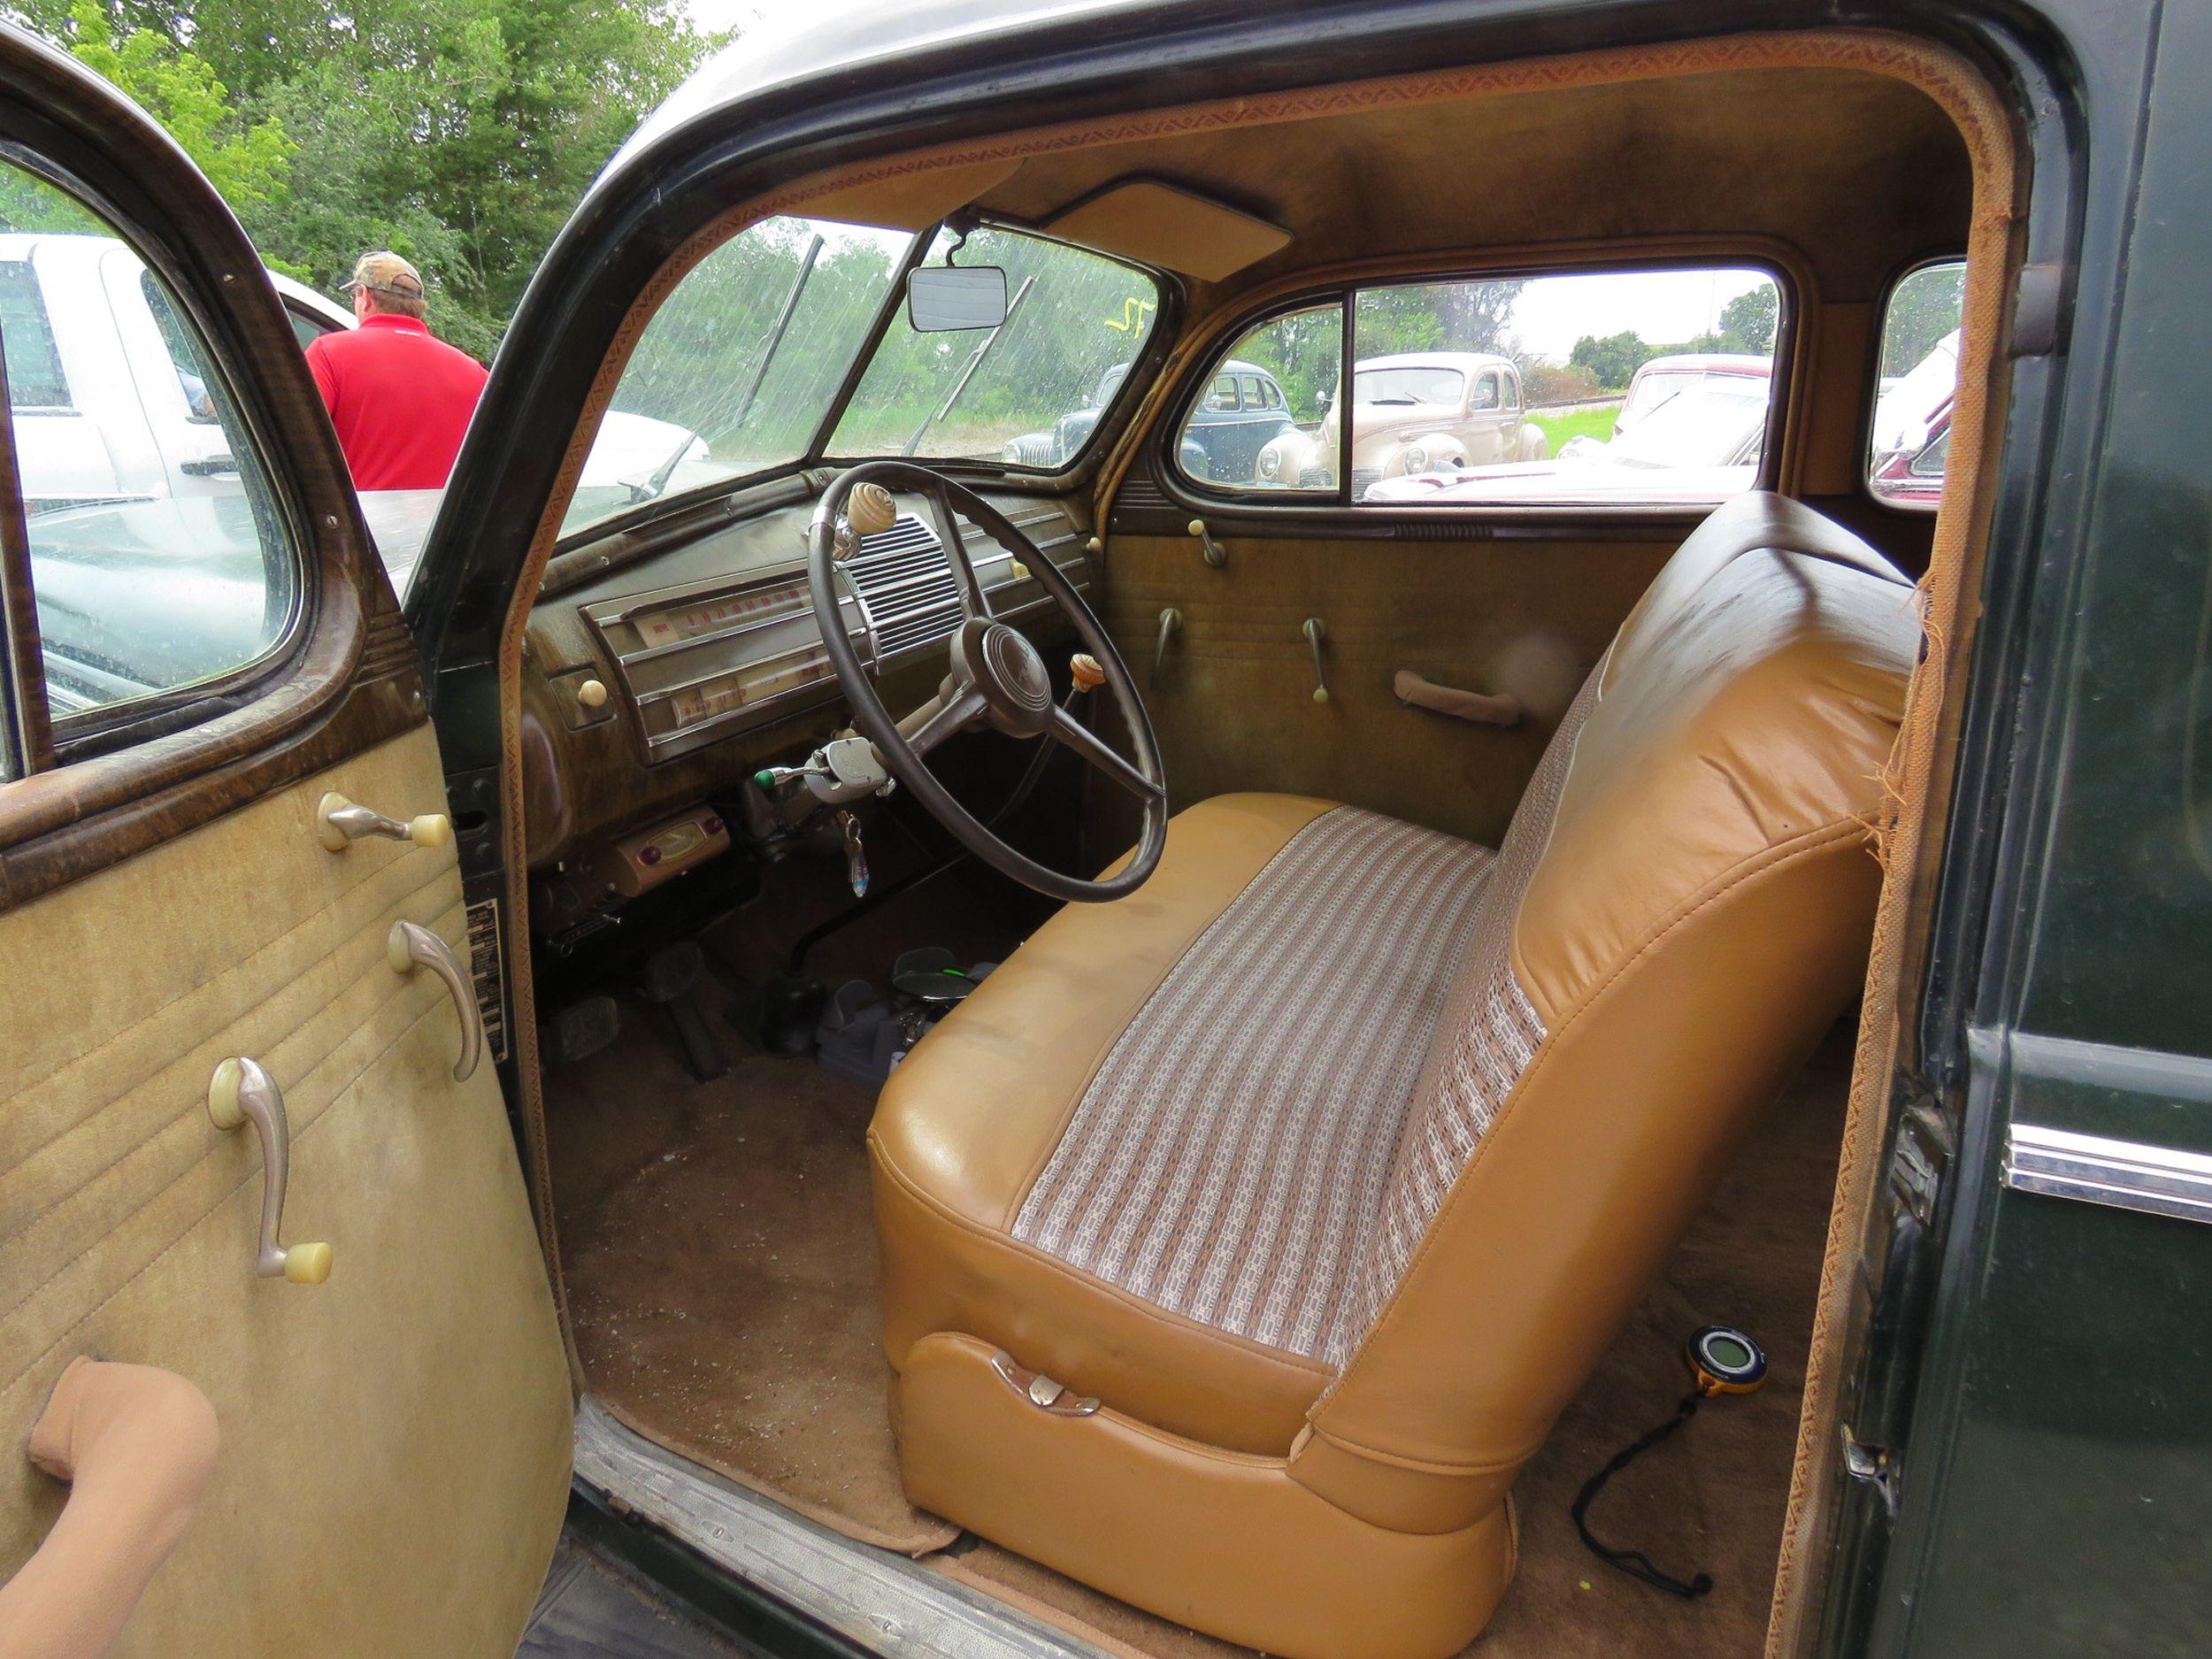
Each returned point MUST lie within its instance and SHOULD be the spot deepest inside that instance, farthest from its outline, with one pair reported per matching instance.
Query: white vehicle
(111, 405)
(108, 398)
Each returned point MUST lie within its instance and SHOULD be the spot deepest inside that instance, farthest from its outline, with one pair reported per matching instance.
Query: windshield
(1413, 385)
(1071, 316)
(740, 368)
(736, 370)
(1705, 425)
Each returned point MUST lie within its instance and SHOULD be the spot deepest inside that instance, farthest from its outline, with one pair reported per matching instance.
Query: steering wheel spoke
(972, 598)
(950, 711)
(1072, 733)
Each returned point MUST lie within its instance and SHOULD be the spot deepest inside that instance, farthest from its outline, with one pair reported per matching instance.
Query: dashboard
(671, 677)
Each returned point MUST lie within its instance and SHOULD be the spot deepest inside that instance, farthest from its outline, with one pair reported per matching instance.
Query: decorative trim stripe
(1234, 1145)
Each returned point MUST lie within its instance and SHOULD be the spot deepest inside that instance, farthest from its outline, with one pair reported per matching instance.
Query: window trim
(1863, 462)
(112, 726)
(1793, 279)
(127, 723)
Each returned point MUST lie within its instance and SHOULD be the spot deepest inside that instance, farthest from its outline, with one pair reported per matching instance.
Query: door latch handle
(240, 1092)
(1315, 634)
(339, 823)
(409, 947)
(1217, 556)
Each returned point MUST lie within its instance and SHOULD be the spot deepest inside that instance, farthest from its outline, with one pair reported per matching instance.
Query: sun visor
(1165, 225)
(912, 200)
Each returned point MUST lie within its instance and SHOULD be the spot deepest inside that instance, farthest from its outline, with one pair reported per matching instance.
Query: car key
(855, 855)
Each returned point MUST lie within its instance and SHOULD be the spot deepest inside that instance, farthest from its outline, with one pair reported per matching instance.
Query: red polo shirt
(400, 398)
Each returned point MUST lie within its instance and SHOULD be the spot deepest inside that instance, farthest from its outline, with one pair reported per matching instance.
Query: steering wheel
(996, 678)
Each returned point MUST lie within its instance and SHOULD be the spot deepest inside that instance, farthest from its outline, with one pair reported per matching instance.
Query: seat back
(1681, 909)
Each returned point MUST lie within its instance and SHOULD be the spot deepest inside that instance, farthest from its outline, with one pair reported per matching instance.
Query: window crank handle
(1315, 634)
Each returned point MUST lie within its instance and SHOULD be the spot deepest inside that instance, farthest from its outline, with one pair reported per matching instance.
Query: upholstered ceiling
(1856, 171)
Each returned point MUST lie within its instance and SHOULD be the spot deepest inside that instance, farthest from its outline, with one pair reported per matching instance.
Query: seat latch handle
(1045, 1393)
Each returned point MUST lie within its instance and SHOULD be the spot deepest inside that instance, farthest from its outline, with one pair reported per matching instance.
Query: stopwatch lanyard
(1634, 1562)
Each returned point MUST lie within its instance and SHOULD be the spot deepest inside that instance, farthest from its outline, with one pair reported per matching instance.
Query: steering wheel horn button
(1000, 663)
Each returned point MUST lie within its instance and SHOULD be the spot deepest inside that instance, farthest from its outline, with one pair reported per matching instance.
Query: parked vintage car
(1241, 412)
(1657, 381)
(1548, 1081)
(1697, 439)
(1412, 412)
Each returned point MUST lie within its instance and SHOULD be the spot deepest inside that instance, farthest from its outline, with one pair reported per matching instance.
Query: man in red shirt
(400, 397)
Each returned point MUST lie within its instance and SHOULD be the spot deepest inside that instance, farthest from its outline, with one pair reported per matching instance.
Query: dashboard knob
(592, 694)
(870, 509)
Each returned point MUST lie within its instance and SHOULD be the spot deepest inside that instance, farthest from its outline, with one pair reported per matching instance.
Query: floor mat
(1710, 1499)
(718, 1239)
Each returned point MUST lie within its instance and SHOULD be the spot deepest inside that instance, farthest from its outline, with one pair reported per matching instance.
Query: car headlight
(1271, 464)
(1416, 458)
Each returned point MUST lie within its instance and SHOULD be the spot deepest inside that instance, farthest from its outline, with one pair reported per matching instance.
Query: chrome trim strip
(2122, 1174)
(879, 1599)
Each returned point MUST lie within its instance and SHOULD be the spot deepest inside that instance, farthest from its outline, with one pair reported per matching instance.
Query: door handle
(339, 823)
(240, 1092)
(1315, 634)
(409, 947)
(1412, 688)
(1171, 620)
(136, 1446)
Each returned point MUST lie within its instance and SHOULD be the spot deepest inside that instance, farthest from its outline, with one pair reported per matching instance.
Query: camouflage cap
(385, 273)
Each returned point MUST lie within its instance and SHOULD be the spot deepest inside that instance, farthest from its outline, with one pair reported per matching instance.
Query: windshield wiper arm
(775, 334)
(975, 362)
(651, 488)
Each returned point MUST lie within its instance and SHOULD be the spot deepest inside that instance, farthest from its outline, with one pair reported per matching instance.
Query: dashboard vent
(902, 574)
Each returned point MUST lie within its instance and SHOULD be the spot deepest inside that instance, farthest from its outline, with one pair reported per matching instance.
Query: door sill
(883, 1603)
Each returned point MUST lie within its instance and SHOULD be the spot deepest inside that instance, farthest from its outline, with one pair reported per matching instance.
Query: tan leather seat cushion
(1270, 991)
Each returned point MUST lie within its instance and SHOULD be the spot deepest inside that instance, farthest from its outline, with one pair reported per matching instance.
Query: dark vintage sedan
(887, 1040)
(1243, 412)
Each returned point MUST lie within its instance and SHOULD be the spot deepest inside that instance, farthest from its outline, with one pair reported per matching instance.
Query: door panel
(1232, 702)
(394, 1441)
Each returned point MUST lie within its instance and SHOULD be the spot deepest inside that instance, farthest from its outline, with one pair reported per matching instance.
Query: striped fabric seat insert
(1233, 1152)
(1486, 1037)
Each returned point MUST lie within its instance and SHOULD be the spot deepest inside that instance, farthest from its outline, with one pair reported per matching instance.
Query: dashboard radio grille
(905, 578)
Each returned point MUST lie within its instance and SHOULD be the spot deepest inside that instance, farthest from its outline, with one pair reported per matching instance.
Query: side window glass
(1249, 385)
(35, 380)
(1434, 363)
(1296, 360)
(1224, 396)
(1910, 435)
(159, 560)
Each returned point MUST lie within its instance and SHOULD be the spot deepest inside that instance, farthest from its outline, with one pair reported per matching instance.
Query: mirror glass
(943, 297)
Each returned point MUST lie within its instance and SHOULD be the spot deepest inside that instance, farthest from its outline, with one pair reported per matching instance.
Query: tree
(1612, 361)
(249, 161)
(1925, 306)
(459, 133)
(1748, 321)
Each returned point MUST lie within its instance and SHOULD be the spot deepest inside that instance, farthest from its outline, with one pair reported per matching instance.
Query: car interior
(1191, 1063)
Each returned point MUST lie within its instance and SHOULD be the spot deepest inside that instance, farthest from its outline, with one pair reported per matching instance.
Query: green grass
(1586, 423)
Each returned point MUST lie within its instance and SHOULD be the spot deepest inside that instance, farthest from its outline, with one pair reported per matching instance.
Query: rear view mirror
(942, 297)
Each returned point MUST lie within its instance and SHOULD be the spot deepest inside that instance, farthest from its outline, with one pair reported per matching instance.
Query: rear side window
(160, 562)
(1296, 359)
(1908, 435)
(34, 374)
(1582, 388)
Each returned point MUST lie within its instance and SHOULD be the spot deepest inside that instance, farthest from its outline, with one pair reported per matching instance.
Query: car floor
(722, 1274)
